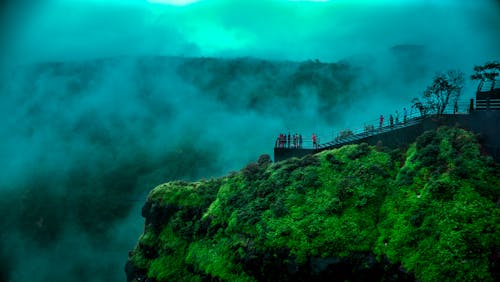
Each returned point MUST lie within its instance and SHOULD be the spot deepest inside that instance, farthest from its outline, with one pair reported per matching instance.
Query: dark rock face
(156, 215)
(357, 267)
(279, 266)
(133, 273)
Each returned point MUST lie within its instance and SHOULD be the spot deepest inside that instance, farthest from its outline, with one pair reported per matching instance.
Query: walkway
(371, 128)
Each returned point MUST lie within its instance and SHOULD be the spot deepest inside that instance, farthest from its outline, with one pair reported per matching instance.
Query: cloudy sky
(277, 29)
(92, 118)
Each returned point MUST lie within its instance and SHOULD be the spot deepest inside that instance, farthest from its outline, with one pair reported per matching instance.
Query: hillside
(428, 213)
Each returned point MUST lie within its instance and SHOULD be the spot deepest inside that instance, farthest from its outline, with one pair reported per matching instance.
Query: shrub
(332, 160)
(359, 151)
(278, 208)
(405, 176)
(309, 160)
(442, 190)
(264, 160)
(251, 172)
(425, 139)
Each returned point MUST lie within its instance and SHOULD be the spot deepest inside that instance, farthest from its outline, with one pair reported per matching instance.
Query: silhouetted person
(455, 108)
(314, 140)
(391, 121)
(471, 106)
(300, 140)
(381, 121)
(405, 114)
(288, 139)
(397, 117)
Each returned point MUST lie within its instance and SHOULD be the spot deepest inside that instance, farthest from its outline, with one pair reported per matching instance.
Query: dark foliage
(361, 150)
(406, 176)
(278, 208)
(427, 138)
(264, 160)
(333, 161)
(156, 214)
(442, 190)
(252, 171)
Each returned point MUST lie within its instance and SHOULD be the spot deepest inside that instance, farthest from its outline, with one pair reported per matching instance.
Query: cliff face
(359, 212)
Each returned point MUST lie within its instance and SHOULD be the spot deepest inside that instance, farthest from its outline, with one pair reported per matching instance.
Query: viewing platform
(482, 118)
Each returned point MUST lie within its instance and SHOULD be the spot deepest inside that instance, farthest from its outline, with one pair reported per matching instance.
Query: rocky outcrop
(356, 213)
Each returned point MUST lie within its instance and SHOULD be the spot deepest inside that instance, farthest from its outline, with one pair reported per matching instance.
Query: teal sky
(279, 29)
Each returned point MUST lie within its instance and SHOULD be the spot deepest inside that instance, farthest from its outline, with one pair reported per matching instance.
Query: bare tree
(486, 73)
(445, 87)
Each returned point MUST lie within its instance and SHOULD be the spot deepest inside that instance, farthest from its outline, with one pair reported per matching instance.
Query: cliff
(427, 213)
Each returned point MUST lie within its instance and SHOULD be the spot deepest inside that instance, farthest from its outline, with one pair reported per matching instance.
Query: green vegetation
(429, 212)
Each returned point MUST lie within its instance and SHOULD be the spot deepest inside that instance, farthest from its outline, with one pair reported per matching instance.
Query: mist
(103, 100)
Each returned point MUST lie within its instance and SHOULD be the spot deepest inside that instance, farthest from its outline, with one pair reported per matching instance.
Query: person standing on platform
(405, 114)
(314, 140)
(300, 140)
(391, 121)
(288, 143)
(381, 122)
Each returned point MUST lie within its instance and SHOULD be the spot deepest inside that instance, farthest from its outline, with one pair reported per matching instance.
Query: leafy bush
(252, 172)
(361, 150)
(427, 138)
(264, 160)
(442, 189)
(332, 160)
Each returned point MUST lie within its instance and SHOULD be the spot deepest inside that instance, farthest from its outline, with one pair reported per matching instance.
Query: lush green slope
(357, 212)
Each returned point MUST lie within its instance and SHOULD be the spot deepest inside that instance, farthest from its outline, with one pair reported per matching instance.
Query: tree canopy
(487, 72)
(445, 87)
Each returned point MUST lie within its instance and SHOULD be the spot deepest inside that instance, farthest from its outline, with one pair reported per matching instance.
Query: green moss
(139, 260)
(180, 193)
(170, 264)
(216, 258)
(433, 211)
(439, 226)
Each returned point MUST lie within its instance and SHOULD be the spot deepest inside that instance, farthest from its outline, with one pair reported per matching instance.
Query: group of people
(289, 141)
(393, 118)
(294, 141)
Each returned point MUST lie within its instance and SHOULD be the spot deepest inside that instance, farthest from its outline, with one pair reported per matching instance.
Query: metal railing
(374, 127)
(347, 136)
(306, 144)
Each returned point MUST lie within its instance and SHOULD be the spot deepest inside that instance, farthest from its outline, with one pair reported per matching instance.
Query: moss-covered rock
(354, 213)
